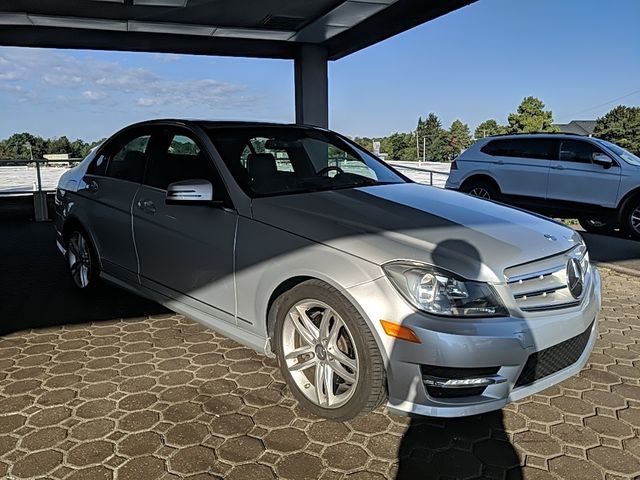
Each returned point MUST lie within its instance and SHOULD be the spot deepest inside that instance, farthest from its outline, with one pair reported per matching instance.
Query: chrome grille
(543, 284)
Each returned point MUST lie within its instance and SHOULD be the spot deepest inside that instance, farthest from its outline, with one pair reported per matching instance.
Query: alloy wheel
(635, 219)
(79, 258)
(320, 353)
(480, 192)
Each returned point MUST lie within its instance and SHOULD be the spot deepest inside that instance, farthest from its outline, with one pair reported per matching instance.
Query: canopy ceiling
(251, 28)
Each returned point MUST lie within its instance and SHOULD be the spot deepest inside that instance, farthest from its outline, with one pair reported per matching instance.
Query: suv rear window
(537, 148)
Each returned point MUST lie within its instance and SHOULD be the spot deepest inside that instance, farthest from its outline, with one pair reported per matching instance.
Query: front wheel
(327, 353)
(81, 260)
(631, 218)
(595, 225)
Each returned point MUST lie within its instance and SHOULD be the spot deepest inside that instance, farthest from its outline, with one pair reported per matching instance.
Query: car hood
(475, 238)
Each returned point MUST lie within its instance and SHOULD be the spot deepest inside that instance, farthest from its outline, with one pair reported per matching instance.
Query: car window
(278, 160)
(577, 151)
(127, 162)
(178, 158)
(534, 148)
(283, 162)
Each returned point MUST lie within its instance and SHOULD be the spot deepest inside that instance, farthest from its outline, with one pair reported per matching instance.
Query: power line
(600, 105)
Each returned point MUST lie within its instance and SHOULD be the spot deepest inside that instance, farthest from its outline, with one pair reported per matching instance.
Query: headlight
(443, 293)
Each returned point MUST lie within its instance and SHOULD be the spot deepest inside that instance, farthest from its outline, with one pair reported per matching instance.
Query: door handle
(92, 186)
(147, 206)
(499, 162)
(557, 167)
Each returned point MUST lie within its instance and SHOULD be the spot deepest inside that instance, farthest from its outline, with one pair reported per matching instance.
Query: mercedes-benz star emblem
(548, 236)
(575, 278)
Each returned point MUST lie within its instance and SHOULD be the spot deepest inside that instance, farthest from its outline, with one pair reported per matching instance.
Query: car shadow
(467, 447)
(37, 290)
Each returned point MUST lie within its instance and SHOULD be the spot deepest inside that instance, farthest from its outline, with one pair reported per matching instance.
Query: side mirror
(190, 192)
(601, 159)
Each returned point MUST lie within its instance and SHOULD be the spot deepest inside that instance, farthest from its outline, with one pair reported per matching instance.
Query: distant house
(578, 127)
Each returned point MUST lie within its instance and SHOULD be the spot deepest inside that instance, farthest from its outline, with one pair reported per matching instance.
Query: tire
(347, 352)
(595, 225)
(481, 189)
(631, 218)
(81, 259)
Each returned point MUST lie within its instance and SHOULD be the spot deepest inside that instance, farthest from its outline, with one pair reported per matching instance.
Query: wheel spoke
(84, 275)
(75, 267)
(324, 384)
(325, 324)
(298, 367)
(305, 326)
(332, 338)
(305, 349)
(342, 372)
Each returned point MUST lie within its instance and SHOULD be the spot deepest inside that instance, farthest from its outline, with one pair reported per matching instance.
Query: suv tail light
(454, 165)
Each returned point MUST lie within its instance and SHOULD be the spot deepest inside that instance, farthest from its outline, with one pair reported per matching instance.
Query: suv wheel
(596, 225)
(327, 354)
(631, 218)
(481, 189)
(81, 260)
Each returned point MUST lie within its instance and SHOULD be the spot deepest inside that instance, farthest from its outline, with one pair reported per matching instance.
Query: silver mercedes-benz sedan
(367, 287)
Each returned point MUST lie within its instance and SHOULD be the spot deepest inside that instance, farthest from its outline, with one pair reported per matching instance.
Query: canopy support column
(311, 84)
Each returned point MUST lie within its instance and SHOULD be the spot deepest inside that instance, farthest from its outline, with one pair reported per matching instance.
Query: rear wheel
(481, 189)
(631, 218)
(596, 225)
(327, 354)
(81, 260)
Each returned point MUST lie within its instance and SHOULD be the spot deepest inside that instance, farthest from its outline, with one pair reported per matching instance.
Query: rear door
(575, 178)
(111, 184)
(521, 165)
(185, 251)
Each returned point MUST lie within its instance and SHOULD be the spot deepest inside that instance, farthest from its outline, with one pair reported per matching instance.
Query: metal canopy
(250, 28)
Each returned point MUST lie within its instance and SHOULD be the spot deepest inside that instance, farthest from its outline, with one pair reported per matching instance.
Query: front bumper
(504, 344)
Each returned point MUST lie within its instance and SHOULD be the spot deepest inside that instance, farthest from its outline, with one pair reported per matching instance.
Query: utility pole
(424, 148)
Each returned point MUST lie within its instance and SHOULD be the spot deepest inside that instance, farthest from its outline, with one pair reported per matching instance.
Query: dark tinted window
(127, 162)
(536, 148)
(180, 158)
(577, 151)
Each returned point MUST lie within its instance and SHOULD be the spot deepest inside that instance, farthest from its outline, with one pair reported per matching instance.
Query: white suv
(559, 175)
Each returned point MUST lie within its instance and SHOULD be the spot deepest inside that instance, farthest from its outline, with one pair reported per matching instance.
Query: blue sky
(578, 56)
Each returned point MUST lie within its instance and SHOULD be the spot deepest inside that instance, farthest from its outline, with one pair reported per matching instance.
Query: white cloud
(93, 95)
(59, 77)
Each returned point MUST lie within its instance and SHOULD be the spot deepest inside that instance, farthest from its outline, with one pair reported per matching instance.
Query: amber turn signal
(399, 331)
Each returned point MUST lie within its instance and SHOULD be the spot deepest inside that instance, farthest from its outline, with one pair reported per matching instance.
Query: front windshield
(626, 155)
(274, 160)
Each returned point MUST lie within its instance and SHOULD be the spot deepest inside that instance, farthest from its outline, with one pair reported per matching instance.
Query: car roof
(539, 135)
(208, 124)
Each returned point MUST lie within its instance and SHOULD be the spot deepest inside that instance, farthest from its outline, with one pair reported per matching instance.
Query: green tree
(364, 142)
(531, 117)
(399, 146)
(427, 131)
(459, 137)
(621, 125)
(59, 145)
(19, 143)
(488, 128)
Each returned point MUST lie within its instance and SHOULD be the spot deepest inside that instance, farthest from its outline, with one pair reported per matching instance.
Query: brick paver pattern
(164, 397)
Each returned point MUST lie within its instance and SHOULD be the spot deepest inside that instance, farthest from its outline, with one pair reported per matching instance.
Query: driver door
(185, 250)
